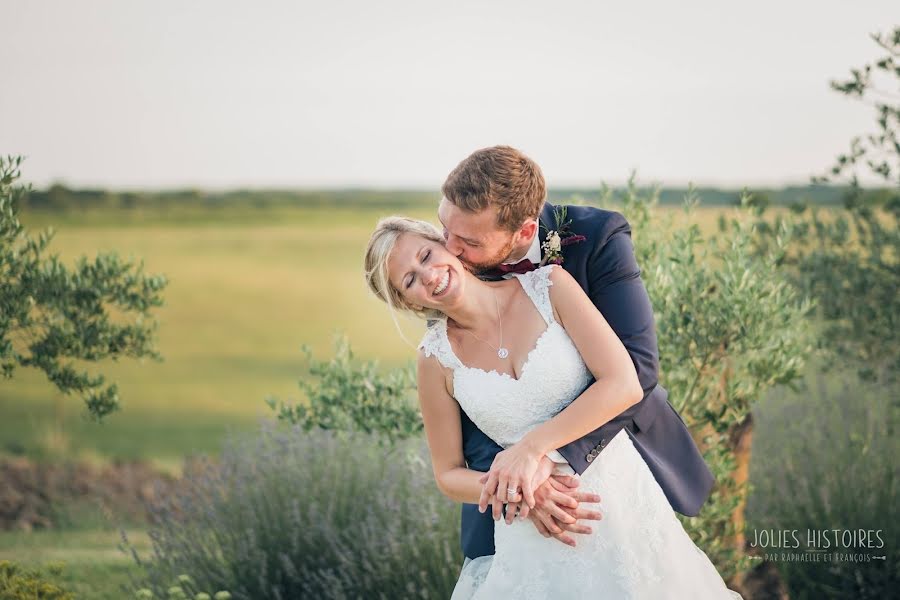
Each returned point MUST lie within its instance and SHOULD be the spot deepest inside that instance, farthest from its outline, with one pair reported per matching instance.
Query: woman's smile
(442, 286)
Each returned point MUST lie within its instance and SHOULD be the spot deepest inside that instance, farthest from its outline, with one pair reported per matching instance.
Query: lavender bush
(826, 459)
(307, 514)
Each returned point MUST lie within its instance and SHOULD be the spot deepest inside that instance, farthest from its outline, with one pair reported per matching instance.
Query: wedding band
(512, 491)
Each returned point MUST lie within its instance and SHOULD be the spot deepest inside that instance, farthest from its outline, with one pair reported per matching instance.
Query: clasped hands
(551, 501)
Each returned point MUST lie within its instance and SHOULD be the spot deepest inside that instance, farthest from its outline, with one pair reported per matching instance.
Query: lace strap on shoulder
(537, 285)
(436, 343)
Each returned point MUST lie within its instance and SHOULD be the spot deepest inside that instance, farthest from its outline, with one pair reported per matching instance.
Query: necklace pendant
(502, 352)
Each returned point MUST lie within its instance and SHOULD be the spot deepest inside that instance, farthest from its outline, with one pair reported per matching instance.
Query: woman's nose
(431, 276)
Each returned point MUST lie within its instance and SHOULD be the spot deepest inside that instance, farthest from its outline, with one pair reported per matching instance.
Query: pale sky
(221, 94)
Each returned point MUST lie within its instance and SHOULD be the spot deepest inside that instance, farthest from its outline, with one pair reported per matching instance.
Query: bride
(523, 387)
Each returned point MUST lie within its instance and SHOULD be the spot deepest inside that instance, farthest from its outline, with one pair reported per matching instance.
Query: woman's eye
(426, 256)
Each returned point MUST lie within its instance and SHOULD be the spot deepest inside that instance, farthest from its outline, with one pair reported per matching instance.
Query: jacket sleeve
(616, 289)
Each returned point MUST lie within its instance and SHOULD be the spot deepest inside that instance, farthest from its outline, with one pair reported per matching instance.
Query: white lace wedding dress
(638, 550)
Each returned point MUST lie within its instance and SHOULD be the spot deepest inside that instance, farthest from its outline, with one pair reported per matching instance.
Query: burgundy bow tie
(523, 266)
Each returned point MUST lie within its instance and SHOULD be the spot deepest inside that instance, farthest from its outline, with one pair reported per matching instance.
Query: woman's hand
(512, 469)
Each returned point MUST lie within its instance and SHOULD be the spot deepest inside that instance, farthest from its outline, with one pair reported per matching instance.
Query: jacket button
(602, 442)
(595, 453)
(589, 457)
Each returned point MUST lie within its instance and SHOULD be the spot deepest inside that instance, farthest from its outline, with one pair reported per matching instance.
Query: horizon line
(406, 188)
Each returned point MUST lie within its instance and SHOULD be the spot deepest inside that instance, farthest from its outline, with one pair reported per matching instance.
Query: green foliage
(837, 452)
(35, 584)
(836, 446)
(730, 328)
(291, 514)
(62, 203)
(61, 199)
(183, 589)
(847, 260)
(351, 396)
(52, 316)
(879, 152)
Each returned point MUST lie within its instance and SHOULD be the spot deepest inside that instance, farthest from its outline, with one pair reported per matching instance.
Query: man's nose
(453, 245)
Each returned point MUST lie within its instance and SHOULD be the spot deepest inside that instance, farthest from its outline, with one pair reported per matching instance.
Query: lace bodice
(553, 375)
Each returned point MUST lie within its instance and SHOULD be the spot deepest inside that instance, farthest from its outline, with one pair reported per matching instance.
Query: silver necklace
(501, 351)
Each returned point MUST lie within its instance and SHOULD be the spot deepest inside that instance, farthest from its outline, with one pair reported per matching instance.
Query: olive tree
(730, 328)
(878, 85)
(57, 318)
(847, 258)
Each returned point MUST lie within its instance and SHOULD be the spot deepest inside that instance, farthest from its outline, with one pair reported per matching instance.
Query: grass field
(93, 566)
(242, 299)
(245, 292)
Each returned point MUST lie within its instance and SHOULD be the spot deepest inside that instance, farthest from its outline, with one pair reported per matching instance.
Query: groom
(497, 222)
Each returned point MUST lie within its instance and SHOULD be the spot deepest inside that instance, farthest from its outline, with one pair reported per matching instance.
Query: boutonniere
(556, 239)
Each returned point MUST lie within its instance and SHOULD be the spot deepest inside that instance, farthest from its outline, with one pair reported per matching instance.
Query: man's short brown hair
(500, 177)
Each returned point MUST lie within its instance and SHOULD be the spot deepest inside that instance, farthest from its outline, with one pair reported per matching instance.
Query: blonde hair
(378, 251)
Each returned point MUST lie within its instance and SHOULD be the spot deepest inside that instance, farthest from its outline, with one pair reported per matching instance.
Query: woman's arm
(440, 414)
(616, 388)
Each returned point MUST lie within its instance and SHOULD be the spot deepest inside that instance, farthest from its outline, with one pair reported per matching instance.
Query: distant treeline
(64, 199)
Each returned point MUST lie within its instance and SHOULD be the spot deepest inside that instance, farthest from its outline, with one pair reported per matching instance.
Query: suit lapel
(547, 222)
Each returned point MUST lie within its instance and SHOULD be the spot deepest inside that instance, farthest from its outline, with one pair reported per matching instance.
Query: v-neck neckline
(535, 346)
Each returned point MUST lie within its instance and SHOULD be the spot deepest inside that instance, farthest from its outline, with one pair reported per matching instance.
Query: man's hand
(555, 516)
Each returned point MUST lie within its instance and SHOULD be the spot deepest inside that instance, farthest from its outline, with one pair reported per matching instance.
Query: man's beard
(501, 256)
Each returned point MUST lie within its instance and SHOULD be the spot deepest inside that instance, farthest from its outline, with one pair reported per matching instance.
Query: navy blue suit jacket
(604, 266)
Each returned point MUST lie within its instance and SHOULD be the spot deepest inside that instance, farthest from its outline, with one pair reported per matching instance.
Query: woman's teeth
(445, 281)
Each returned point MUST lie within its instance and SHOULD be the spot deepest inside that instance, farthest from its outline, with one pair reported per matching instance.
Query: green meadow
(246, 291)
(92, 565)
(243, 296)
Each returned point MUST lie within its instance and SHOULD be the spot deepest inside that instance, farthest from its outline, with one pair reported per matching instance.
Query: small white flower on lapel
(559, 237)
(553, 242)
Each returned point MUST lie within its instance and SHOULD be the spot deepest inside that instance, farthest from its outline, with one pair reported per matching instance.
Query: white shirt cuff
(556, 457)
